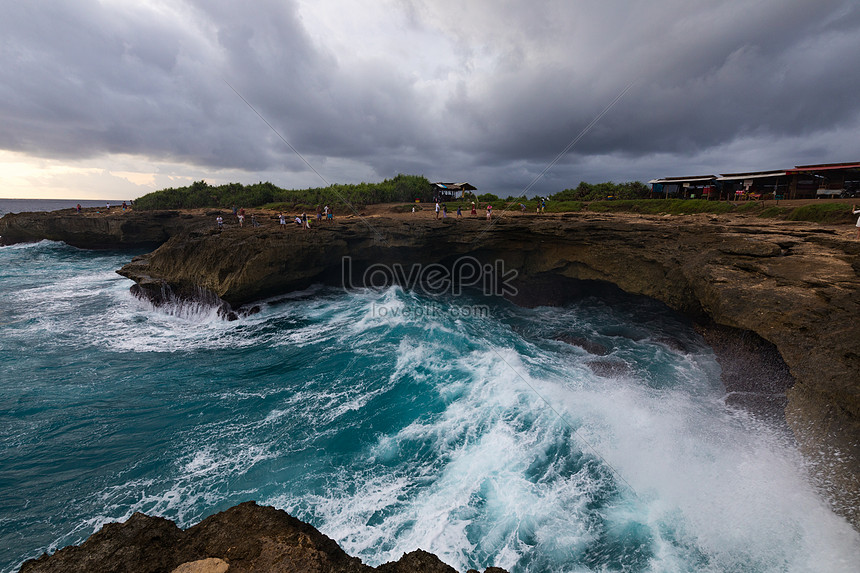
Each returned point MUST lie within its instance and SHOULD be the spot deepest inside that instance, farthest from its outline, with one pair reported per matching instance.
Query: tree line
(402, 188)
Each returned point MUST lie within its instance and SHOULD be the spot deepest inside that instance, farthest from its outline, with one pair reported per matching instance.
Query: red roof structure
(822, 167)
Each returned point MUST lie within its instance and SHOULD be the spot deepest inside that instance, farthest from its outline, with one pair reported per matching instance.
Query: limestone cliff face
(794, 285)
(92, 229)
(246, 538)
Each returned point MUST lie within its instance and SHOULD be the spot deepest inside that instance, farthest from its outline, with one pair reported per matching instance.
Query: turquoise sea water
(391, 421)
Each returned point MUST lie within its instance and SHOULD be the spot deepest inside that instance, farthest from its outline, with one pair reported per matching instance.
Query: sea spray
(486, 439)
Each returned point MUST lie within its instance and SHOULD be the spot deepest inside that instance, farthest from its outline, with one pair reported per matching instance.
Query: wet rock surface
(247, 538)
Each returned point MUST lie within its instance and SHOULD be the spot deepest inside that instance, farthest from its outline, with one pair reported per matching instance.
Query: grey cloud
(83, 79)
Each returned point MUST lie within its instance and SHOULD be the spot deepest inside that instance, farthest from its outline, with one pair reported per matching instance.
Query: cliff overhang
(793, 285)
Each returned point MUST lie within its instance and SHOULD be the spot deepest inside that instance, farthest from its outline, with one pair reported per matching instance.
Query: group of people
(125, 207)
(442, 208)
(301, 220)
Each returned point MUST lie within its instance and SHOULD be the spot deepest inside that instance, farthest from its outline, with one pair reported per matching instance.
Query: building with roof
(450, 191)
(802, 182)
(754, 184)
(696, 186)
(825, 180)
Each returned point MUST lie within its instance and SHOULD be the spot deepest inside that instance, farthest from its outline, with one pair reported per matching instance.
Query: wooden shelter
(825, 180)
(755, 184)
(450, 191)
(701, 186)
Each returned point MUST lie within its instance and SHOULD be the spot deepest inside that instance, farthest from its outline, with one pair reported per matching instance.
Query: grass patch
(749, 207)
(561, 207)
(823, 213)
(774, 212)
(658, 206)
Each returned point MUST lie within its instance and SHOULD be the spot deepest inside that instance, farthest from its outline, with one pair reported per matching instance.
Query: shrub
(488, 198)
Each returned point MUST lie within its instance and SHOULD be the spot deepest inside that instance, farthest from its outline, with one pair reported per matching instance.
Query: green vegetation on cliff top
(627, 198)
(200, 194)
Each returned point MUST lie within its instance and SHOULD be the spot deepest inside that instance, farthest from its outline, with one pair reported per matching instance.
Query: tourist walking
(856, 211)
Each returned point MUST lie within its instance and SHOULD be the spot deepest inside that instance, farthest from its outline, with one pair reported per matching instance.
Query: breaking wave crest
(593, 437)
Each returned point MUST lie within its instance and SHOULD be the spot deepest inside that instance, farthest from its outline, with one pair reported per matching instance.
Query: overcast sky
(115, 98)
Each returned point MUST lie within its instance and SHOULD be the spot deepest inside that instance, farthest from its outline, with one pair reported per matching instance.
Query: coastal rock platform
(792, 286)
(791, 290)
(247, 538)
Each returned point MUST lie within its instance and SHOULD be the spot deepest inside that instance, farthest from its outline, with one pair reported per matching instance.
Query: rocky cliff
(246, 538)
(793, 285)
(98, 229)
(791, 288)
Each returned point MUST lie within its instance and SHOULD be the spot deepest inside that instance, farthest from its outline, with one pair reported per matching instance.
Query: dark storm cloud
(500, 93)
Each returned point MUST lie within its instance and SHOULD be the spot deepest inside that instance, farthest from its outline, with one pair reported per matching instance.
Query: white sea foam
(509, 451)
(714, 490)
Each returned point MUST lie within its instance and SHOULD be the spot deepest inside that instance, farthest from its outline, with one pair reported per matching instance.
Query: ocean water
(464, 426)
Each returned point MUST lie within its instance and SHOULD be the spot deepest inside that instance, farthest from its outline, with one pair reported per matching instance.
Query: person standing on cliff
(856, 211)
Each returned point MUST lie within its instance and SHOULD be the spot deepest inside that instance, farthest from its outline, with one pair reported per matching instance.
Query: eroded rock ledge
(793, 285)
(247, 538)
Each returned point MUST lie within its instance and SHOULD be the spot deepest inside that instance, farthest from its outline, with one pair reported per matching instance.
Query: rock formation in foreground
(247, 538)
